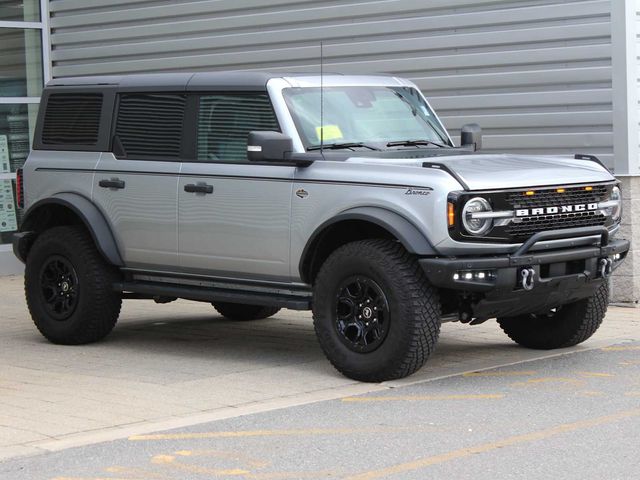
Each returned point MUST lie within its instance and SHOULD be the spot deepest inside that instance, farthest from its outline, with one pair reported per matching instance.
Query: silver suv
(341, 194)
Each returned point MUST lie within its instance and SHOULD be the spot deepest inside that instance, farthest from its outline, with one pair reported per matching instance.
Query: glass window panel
(224, 123)
(20, 10)
(20, 62)
(17, 123)
(150, 126)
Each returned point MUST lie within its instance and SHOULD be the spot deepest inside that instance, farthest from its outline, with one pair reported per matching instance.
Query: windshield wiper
(338, 146)
(414, 143)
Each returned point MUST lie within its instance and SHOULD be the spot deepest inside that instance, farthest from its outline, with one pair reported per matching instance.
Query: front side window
(149, 126)
(362, 114)
(224, 123)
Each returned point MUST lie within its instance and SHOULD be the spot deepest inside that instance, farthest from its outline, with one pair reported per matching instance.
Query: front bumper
(497, 285)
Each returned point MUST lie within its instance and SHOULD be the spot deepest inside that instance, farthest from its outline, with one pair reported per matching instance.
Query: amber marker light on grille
(528, 193)
(588, 189)
(560, 190)
(451, 216)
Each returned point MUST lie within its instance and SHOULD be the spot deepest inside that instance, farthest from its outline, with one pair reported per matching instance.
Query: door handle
(112, 183)
(198, 188)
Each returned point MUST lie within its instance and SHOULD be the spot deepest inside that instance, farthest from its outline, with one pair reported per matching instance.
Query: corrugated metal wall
(536, 74)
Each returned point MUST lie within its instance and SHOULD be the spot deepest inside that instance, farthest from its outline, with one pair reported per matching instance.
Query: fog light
(479, 275)
(617, 257)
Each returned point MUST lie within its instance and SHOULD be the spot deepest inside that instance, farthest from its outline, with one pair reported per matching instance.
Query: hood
(502, 171)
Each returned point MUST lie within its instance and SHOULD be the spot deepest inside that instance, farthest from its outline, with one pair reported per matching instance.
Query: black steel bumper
(555, 277)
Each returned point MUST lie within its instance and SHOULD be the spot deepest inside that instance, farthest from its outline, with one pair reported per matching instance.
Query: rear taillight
(19, 189)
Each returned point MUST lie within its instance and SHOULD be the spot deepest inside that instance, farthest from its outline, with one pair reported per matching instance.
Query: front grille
(546, 198)
(523, 228)
(529, 226)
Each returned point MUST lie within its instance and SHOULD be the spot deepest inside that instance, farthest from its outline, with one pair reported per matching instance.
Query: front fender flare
(413, 240)
(90, 216)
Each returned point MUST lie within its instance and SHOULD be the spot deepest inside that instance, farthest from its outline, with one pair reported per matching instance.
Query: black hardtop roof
(232, 80)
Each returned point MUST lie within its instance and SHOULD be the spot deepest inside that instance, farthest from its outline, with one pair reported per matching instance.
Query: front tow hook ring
(606, 267)
(527, 275)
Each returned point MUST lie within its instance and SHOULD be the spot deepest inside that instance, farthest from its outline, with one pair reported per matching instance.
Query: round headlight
(616, 196)
(476, 226)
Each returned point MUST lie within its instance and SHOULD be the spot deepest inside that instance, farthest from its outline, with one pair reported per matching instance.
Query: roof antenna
(321, 101)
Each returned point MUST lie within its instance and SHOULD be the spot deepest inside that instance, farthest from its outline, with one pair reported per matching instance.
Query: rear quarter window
(72, 119)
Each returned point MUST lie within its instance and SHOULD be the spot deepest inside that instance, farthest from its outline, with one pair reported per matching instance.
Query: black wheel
(562, 327)
(241, 312)
(69, 287)
(375, 314)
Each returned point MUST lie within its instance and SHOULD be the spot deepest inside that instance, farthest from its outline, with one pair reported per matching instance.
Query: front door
(233, 217)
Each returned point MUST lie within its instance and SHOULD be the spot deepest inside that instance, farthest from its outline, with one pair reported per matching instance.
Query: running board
(293, 299)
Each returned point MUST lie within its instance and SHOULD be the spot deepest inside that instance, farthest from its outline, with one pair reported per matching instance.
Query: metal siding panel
(535, 73)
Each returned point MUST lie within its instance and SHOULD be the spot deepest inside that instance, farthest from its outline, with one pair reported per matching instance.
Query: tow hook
(606, 267)
(527, 278)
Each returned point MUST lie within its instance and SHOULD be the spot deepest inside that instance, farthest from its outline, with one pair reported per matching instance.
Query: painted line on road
(538, 381)
(170, 460)
(97, 478)
(418, 398)
(488, 447)
(620, 349)
(273, 433)
(500, 374)
(595, 374)
(629, 363)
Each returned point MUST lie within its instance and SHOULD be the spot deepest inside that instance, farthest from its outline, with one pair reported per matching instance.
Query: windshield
(361, 114)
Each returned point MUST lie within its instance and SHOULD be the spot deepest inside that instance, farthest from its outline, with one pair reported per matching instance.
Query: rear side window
(149, 126)
(224, 123)
(72, 119)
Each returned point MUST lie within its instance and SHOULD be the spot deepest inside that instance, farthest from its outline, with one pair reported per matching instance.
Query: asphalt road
(575, 416)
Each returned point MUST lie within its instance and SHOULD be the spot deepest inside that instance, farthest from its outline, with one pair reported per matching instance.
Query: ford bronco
(340, 194)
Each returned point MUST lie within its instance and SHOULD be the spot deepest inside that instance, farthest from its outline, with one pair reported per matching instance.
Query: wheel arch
(357, 224)
(67, 209)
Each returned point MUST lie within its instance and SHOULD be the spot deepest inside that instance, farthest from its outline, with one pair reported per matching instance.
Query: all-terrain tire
(92, 306)
(569, 325)
(242, 312)
(411, 320)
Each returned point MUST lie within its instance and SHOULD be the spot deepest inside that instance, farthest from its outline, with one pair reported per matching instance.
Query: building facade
(543, 77)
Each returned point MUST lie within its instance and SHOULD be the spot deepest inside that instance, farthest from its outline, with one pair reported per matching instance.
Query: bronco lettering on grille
(531, 212)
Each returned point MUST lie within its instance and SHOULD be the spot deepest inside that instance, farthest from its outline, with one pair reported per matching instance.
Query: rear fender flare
(90, 216)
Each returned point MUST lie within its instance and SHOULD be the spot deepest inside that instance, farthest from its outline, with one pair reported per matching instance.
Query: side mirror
(269, 147)
(471, 137)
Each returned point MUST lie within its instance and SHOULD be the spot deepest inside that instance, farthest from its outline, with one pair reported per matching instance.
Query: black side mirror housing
(269, 147)
(471, 136)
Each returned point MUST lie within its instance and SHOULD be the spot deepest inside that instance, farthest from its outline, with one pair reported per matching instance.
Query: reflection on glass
(17, 123)
(20, 62)
(20, 10)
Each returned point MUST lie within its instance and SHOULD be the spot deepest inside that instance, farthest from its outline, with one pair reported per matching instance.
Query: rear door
(136, 183)
(233, 217)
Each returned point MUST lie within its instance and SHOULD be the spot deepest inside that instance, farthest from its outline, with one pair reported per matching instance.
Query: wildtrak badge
(581, 207)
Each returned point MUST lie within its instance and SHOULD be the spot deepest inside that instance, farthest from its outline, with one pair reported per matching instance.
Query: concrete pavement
(170, 366)
(572, 416)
